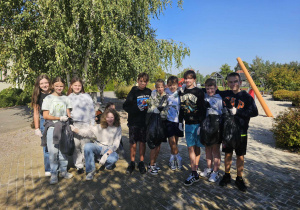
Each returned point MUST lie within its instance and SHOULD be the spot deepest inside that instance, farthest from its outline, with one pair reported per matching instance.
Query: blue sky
(219, 31)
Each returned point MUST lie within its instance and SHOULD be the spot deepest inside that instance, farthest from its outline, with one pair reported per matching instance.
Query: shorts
(172, 129)
(192, 139)
(240, 149)
(136, 134)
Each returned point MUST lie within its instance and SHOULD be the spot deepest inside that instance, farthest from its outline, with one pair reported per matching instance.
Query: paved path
(271, 174)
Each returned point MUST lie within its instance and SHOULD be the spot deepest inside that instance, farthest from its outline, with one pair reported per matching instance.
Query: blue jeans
(91, 150)
(45, 149)
(58, 161)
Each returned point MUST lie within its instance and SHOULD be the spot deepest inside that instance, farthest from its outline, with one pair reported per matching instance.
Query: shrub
(293, 96)
(287, 130)
(122, 91)
(14, 96)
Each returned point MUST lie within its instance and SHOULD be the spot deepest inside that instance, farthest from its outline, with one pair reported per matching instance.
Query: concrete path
(271, 174)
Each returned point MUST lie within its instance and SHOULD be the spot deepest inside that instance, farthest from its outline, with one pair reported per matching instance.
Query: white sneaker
(214, 176)
(90, 175)
(172, 164)
(53, 179)
(47, 173)
(157, 167)
(206, 172)
(66, 175)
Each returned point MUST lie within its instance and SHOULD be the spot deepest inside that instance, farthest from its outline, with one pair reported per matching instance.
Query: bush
(287, 130)
(293, 96)
(122, 91)
(14, 96)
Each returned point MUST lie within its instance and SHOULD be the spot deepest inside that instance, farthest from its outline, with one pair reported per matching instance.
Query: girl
(83, 115)
(56, 107)
(40, 91)
(108, 136)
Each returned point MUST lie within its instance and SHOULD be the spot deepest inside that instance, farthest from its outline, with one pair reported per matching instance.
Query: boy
(157, 104)
(213, 156)
(172, 122)
(193, 111)
(136, 107)
(243, 108)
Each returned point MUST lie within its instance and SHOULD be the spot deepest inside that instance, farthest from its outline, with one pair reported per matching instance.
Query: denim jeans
(58, 161)
(91, 150)
(45, 149)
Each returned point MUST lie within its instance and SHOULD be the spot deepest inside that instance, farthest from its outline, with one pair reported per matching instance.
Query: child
(213, 155)
(56, 107)
(83, 115)
(172, 122)
(157, 104)
(108, 135)
(243, 109)
(40, 91)
(193, 112)
(136, 107)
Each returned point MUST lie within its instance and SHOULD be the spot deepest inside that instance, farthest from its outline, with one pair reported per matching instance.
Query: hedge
(14, 96)
(122, 91)
(287, 95)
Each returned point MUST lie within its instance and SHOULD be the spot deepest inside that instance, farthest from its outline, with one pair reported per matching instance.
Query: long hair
(103, 122)
(75, 79)
(37, 90)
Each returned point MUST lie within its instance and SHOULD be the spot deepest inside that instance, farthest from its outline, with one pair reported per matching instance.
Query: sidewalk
(273, 182)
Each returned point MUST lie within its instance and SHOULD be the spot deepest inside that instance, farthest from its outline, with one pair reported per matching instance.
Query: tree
(225, 70)
(98, 40)
(237, 67)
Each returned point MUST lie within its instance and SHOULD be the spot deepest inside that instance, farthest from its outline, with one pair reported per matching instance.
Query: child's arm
(36, 116)
(69, 113)
(117, 140)
(130, 104)
(47, 116)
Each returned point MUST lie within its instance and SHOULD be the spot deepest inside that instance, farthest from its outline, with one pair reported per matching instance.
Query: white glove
(38, 132)
(141, 107)
(64, 118)
(180, 126)
(156, 111)
(233, 111)
(104, 158)
(198, 131)
(74, 129)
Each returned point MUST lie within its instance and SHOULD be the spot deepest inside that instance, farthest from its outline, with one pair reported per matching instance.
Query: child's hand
(38, 132)
(198, 131)
(64, 118)
(156, 111)
(74, 129)
(104, 158)
(180, 126)
(233, 111)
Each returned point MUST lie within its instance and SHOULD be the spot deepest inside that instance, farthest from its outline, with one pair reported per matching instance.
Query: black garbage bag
(156, 132)
(230, 131)
(67, 144)
(209, 132)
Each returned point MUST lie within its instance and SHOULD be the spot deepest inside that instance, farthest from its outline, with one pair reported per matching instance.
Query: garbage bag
(156, 132)
(230, 130)
(209, 132)
(67, 144)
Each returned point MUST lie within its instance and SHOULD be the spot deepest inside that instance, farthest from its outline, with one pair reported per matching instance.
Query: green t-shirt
(56, 105)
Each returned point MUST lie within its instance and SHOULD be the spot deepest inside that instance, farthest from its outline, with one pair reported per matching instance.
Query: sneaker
(206, 172)
(240, 184)
(90, 175)
(191, 179)
(130, 168)
(179, 162)
(152, 170)
(53, 179)
(141, 167)
(80, 171)
(157, 167)
(214, 176)
(172, 164)
(47, 173)
(66, 175)
(226, 179)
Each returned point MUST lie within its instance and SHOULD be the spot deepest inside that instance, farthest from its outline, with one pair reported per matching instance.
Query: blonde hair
(103, 122)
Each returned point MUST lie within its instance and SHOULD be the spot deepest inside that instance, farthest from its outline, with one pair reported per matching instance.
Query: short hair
(211, 82)
(103, 122)
(189, 73)
(172, 80)
(234, 74)
(108, 105)
(143, 75)
(159, 81)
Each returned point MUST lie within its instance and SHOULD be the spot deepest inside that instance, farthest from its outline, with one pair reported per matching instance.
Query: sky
(219, 31)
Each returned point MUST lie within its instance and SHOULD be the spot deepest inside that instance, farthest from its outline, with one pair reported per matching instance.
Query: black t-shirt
(192, 106)
(40, 101)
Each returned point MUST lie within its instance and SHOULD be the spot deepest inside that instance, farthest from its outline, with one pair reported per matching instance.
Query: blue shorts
(192, 139)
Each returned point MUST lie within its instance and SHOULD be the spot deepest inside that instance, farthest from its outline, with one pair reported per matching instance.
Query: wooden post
(256, 91)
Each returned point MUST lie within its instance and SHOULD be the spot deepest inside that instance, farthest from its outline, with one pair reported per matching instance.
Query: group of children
(175, 105)
(191, 105)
